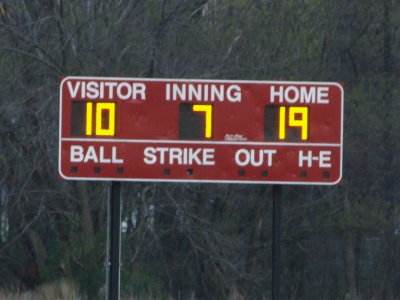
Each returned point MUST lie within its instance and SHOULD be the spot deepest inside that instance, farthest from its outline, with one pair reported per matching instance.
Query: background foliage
(206, 241)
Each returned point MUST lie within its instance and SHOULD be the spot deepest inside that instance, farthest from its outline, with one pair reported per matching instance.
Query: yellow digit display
(297, 117)
(207, 108)
(282, 122)
(89, 118)
(100, 109)
(104, 120)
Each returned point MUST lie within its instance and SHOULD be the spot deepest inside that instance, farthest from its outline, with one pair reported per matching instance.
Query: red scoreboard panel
(200, 130)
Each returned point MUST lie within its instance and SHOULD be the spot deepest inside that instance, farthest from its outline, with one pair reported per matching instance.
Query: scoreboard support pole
(113, 241)
(276, 240)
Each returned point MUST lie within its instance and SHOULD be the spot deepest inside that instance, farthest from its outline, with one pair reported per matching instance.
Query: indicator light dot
(303, 174)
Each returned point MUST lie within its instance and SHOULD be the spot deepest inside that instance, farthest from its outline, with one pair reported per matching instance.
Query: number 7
(207, 109)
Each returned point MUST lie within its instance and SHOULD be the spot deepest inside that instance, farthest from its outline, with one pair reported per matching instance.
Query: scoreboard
(200, 130)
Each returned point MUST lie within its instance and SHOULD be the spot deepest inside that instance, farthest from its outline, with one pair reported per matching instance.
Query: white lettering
(325, 159)
(254, 157)
(99, 155)
(102, 158)
(233, 93)
(276, 93)
(307, 96)
(139, 89)
(299, 94)
(92, 90)
(194, 92)
(175, 154)
(269, 154)
(307, 158)
(202, 92)
(76, 154)
(322, 95)
(193, 156)
(83, 89)
(295, 94)
(179, 156)
(127, 88)
(205, 94)
(168, 92)
(91, 155)
(208, 157)
(114, 158)
(101, 90)
(111, 86)
(242, 162)
(73, 91)
(162, 151)
(105, 90)
(178, 92)
(150, 157)
(217, 92)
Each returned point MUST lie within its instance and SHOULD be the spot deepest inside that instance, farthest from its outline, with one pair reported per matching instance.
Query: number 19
(289, 123)
(298, 117)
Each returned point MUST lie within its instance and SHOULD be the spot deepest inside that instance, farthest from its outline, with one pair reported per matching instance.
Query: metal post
(276, 240)
(114, 241)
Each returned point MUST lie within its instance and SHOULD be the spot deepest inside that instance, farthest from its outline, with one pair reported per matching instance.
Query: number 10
(93, 118)
(105, 118)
